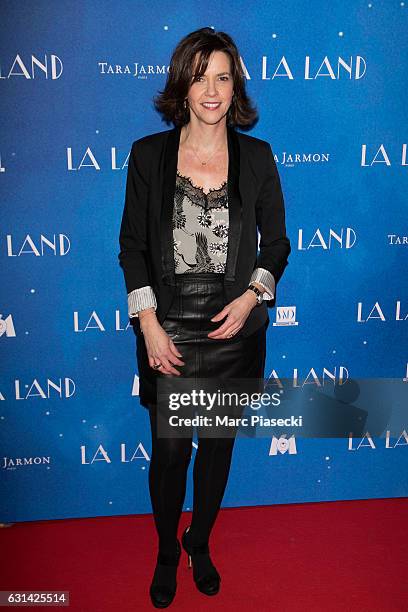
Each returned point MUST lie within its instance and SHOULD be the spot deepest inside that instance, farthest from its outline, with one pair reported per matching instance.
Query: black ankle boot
(206, 577)
(164, 584)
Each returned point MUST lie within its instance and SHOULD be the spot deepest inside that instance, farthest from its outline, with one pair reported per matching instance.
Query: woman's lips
(211, 106)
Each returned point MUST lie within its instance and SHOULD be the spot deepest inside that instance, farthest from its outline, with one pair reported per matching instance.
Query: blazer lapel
(236, 193)
(166, 215)
(234, 203)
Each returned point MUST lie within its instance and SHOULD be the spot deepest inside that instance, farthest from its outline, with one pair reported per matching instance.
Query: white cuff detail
(266, 279)
(139, 299)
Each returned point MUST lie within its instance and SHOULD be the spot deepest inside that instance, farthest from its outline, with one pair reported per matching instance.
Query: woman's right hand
(160, 347)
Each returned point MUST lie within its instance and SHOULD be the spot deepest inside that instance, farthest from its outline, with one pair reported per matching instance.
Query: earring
(185, 104)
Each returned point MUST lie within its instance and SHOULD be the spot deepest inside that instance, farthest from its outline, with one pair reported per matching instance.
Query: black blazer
(254, 200)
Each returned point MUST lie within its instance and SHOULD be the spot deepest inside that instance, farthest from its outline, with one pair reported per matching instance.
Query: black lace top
(200, 227)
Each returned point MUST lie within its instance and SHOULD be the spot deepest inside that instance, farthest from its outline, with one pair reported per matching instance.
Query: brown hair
(170, 101)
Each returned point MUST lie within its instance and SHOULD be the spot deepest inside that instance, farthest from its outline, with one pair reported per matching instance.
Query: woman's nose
(211, 87)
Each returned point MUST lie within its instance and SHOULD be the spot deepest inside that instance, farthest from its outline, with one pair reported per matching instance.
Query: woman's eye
(223, 78)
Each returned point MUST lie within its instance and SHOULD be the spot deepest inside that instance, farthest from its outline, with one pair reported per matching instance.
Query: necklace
(204, 163)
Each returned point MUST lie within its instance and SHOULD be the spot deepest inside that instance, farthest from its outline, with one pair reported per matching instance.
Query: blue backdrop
(77, 82)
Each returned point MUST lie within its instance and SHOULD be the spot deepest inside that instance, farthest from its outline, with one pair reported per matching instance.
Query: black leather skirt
(198, 297)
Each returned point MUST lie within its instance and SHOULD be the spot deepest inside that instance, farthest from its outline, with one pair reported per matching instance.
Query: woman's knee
(172, 453)
(218, 445)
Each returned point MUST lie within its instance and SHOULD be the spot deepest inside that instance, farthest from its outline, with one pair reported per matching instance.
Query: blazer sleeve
(274, 245)
(264, 278)
(133, 229)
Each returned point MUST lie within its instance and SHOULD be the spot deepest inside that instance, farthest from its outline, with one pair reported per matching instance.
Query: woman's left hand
(238, 311)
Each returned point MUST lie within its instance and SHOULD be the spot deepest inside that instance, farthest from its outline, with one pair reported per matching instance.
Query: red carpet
(346, 556)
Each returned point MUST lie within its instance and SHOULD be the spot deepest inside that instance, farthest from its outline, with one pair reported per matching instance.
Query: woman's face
(210, 96)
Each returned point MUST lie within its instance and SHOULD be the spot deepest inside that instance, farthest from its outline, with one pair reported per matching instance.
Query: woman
(197, 289)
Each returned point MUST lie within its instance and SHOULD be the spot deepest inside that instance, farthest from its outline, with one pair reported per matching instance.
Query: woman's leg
(167, 482)
(211, 469)
(244, 359)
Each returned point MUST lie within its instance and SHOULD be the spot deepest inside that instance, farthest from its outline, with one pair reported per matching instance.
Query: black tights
(167, 483)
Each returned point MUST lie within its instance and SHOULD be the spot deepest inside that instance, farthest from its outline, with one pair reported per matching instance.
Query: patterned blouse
(200, 239)
(200, 227)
